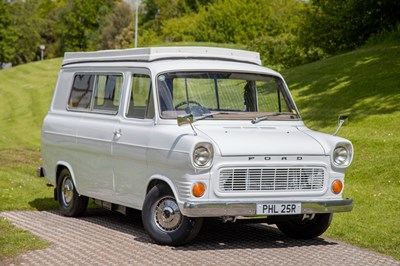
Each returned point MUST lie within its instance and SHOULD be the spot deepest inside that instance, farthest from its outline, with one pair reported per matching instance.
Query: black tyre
(71, 203)
(163, 220)
(306, 229)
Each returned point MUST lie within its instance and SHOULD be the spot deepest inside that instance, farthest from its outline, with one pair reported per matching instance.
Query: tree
(7, 33)
(27, 31)
(117, 21)
(340, 25)
(79, 24)
(270, 27)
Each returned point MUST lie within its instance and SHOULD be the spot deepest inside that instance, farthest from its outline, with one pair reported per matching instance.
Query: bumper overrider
(219, 209)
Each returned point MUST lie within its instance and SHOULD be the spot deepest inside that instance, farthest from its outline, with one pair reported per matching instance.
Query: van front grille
(271, 179)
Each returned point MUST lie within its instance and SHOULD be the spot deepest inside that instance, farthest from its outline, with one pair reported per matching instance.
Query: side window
(107, 93)
(81, 92)
(141, 104)
(96, 92)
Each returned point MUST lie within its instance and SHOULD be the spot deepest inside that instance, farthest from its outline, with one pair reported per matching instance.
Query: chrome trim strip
(219, 209)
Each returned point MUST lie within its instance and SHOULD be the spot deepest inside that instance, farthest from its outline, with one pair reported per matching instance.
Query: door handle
(117, 133)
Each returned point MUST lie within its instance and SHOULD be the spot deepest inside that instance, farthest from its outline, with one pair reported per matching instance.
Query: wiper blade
(209, 115)
(263, 117)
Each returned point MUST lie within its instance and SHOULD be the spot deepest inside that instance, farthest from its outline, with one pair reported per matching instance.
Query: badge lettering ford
(267, 158)
(278, 209)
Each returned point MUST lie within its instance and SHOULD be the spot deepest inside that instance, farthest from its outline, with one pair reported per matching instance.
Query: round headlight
(340, 155)
(202, 155)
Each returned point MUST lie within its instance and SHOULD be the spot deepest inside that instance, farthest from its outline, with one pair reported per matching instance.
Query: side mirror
(186, 119)
(341, 120)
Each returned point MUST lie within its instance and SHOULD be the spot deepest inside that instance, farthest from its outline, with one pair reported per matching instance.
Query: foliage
(7, 33)
(60, 25)
(340, 25)
(80, 22)
(19, 44)
(28, 40)
(117, 22)
(285, 32)
(283, 51)
(269, 27)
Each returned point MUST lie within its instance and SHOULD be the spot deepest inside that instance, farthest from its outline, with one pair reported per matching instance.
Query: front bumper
(219, 209)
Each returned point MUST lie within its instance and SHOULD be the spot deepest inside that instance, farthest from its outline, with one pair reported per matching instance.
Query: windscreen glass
(224, 95)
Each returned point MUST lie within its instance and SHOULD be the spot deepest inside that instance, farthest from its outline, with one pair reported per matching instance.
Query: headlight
(342, 154)
(203, 155)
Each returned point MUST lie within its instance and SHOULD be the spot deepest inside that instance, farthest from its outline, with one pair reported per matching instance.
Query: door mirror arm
(186, 119)
(341, 120)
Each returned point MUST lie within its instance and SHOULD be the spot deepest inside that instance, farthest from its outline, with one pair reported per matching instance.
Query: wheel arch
(160, 179)
(61, 165)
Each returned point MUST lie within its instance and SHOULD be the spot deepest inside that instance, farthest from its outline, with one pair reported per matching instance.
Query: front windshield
(224, 95)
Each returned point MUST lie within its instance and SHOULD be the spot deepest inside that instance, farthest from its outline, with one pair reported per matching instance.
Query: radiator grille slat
(271, 179)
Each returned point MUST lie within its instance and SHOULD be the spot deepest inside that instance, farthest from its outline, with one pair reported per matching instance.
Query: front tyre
(163, 220)
(305, 229)
(70, 202)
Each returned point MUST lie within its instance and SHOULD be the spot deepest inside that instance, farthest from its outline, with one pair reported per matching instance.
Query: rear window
(96, 92)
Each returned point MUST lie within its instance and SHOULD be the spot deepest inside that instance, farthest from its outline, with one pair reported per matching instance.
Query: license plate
(278, 209)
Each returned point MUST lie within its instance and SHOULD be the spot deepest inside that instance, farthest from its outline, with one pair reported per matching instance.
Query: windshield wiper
(209, 115)
(263, 117)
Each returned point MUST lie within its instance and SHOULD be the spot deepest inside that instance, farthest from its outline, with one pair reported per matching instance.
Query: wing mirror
(186, 119)
(341, 120)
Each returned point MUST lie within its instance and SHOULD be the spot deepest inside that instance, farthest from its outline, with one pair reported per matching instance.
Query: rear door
(96, 96)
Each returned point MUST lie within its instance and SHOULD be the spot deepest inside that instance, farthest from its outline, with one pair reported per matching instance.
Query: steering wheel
(187, 102)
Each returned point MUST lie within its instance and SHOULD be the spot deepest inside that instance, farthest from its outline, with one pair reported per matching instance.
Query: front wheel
(71, 203)
(163, 220)
(305, 229)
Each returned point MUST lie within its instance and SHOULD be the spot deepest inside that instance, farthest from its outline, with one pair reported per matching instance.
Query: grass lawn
(14, 241)
(364, 84)
(26, 94)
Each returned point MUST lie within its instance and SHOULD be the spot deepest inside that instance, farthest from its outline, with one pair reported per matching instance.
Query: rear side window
(96, 92)
(81, 93)
(107, 93)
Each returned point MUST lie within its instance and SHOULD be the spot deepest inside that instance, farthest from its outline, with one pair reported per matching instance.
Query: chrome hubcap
(67, 191)
(167, 215)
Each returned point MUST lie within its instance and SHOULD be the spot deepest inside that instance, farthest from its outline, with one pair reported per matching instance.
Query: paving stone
(106, 238)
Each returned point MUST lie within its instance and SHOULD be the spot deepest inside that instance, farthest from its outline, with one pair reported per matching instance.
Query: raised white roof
(159, 53)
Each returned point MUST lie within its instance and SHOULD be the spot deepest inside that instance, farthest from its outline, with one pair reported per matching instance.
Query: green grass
(364, 84)
(26, 93)
(20, 188)
(10, 238)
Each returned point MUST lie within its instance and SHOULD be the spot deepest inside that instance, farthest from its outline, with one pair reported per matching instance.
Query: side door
(93, 169)
(129, 149)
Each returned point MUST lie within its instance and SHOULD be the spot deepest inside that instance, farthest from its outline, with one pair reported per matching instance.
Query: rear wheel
(300, 228)
(163, 220)
(71, 203)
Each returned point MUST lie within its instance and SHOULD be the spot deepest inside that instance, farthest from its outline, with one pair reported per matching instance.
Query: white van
(183, 133)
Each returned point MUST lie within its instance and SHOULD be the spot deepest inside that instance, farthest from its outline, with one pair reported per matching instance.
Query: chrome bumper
(219, 209)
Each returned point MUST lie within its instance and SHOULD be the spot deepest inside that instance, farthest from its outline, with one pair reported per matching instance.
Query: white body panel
(115, 158)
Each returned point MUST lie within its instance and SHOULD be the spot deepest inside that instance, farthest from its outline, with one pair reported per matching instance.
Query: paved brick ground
(106, 238)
